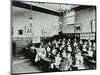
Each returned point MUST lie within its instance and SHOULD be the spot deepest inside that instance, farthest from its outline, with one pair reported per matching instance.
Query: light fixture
(60, 16)
(60, 22)
(68, 7)
(30, 18)
(30, 26)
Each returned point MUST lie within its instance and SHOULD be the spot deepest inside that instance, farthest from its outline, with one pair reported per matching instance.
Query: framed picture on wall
(93, 25)
(46, 32)
(20, 31)
(28, 29)
(78, 28)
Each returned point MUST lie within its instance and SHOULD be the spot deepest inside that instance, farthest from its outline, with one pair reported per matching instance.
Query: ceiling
(52, 6)
(48, 8)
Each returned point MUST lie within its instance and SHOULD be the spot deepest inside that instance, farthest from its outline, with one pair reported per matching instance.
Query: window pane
(70, 20)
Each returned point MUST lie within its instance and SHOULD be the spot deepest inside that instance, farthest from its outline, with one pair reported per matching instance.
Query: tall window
(70, 17)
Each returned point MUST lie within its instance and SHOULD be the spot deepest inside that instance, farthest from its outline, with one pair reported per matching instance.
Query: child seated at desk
(54, 51)
(38, 55)
(67, 65)
(63, 44)
(94, 47)
(75, 44)
(56, 45)
(81, 42)
(90, 52)
(49, 44)
(89, 43)
(79, 60)
(32, 48)
(57, 61)
(69, 57)
(41, 53)
(68, 43)
(64, 54)
(84, 48)
(69, 48)
(48, 51)
(80, 45)
(77, 49)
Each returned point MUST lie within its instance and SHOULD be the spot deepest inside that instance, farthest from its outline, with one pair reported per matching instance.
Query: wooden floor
(23, 66)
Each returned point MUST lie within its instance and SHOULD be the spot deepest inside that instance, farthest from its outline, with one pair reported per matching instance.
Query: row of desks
(45, 62)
